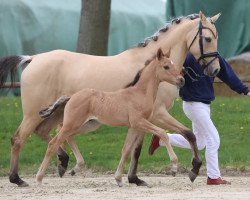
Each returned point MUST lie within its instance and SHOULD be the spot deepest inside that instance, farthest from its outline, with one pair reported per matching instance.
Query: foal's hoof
(173, 173)
(174, 170)
(119, 183)
(192, 176)
(61, 170)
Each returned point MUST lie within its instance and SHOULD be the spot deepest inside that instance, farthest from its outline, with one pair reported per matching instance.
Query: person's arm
(228, 76)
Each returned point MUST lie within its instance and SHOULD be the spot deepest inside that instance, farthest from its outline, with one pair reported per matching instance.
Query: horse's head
(167, 70)
(202, 43)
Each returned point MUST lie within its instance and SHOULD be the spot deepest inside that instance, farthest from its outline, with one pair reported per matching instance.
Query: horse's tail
(59, 103)
(9, 66)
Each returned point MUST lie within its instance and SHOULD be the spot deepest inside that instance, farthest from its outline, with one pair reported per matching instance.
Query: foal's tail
(9, 66)
(59, 103)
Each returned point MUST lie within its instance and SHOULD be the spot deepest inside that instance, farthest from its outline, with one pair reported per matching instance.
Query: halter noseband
(204, 55)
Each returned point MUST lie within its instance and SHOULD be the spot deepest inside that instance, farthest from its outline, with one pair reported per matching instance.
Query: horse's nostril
(216, 72)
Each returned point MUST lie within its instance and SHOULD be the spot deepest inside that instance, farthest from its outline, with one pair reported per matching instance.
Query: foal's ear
(159, 54)
(214, 18)
(168, 53)
(202, 17)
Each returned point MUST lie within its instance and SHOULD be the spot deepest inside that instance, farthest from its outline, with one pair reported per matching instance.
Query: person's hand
(248, 94)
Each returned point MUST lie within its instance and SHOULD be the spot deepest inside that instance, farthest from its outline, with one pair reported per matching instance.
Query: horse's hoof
(72, 173)
(138, 182)
(14, 178)
(64, 159)
(23, 184)
(192, 176)
(61, 170)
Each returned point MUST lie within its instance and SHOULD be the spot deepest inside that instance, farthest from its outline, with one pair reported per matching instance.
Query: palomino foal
(131, 107)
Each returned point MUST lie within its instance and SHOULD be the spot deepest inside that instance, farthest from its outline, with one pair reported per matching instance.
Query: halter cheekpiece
(204, 55)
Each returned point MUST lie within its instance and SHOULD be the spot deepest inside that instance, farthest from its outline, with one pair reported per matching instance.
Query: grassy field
(101, 149)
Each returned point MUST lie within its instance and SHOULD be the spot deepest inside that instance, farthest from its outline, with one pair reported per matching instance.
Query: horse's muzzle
(211, 71)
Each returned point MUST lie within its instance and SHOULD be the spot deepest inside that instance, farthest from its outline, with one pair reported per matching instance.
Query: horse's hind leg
(27, 126)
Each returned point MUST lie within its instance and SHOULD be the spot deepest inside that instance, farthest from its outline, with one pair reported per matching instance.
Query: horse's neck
(174, 39)
(148, 83)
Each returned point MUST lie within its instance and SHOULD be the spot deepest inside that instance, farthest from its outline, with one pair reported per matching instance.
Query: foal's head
(202, 43)
(167, 70)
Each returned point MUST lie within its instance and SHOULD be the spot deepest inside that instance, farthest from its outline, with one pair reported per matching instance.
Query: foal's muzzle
(180, 82)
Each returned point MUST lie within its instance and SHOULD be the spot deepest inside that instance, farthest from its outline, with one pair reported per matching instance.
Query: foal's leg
(146, 126)
(79, 159)
(168, 122)
(91, 125)
(52, 148)
(43, 131)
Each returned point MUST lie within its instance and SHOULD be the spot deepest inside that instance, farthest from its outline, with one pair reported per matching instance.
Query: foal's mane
(138, 75)
(164, 29)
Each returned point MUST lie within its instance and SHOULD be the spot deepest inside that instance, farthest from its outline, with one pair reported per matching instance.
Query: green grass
(102, 148)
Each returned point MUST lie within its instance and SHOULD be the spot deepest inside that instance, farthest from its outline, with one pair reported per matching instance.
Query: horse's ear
(159, 54)
(168, 53)
(214, 18)
(202, 17)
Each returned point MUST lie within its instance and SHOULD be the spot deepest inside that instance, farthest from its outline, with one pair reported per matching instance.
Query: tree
(94, 27)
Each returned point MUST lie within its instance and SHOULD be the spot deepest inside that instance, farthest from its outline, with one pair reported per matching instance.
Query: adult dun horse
(48, 76)
(131, 107)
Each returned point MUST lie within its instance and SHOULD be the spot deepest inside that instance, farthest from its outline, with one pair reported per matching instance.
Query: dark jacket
(199, 88)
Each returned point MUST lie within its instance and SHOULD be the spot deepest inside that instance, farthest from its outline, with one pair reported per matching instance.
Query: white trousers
(206, 135)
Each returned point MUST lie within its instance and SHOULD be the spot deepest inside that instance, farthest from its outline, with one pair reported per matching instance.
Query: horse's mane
(164, 29)
(138, 75)
(154, 37)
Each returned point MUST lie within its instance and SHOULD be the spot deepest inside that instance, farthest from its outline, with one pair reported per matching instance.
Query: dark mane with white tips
(164, 29)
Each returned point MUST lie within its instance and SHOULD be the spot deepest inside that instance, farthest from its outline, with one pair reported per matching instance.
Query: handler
(197, 95)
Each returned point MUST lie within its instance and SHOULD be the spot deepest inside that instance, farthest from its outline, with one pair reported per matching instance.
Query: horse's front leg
(128, 144)
(166, 121)
(135, 154)
(133, 141)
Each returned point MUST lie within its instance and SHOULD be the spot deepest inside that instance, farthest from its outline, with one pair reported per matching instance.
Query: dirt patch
(104, 187)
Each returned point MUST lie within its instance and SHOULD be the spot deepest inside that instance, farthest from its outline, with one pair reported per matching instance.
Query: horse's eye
(208, 39)
(166, 67)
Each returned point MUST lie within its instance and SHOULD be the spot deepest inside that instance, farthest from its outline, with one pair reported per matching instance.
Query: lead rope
(197, 76)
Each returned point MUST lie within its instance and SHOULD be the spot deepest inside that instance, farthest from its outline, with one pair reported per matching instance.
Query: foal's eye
(208, 39)
(166, 67)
